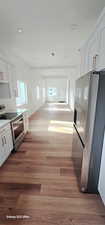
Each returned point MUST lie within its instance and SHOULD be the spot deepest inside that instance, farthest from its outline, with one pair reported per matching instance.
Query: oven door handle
(19, 120)
(5, 140)
(2, 141)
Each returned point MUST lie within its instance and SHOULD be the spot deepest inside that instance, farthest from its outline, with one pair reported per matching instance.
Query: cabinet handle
(5, 140)
(95, 61)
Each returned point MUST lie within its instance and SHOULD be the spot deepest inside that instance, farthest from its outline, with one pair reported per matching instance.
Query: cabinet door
(3, 71)
(89, 53)
(1, 150)
(84, 60)
(4, 149)
(101, 49)
(101, 186)
(93, 53)
(6, 143)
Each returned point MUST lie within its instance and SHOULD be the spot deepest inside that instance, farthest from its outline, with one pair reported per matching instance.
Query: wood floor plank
(56, 204)
(40, 180)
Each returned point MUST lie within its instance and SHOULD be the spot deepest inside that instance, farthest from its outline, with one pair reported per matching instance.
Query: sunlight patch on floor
(61, 127)
(58, 129)
(57, 109)
(67, 123)
(56, 103)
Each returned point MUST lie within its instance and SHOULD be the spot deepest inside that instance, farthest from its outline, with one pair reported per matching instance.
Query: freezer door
(94, 82)
(81, 104)
(77, 155)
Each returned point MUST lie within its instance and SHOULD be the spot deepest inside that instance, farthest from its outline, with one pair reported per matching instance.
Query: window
(38, 92)
(52, 92)
(22, 93)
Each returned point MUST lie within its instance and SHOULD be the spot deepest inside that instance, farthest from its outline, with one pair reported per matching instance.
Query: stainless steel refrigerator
(89, 127)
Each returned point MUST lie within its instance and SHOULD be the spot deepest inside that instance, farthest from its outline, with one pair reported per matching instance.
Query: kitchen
(39, 72)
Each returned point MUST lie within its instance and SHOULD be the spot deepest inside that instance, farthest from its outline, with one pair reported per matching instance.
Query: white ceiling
(47, 27)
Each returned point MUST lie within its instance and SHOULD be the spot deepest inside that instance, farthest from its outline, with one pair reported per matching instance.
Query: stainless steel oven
(17, 130)
(17, 125)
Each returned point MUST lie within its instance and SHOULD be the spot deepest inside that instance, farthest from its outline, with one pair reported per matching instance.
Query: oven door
(18, 128)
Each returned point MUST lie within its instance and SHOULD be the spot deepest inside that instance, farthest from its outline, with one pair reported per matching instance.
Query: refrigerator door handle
(75, 116)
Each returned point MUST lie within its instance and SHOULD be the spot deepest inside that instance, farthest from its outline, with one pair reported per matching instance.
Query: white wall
(61, 89)
(36, 99)
(71, 74)
(18, 70)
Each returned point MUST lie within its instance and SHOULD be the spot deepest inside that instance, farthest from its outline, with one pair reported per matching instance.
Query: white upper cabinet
(84, 61)
(101, 38)
(89, 55)
(3, 71)
(5, 90)
(101, 65)
(93, 51)
(92, 57)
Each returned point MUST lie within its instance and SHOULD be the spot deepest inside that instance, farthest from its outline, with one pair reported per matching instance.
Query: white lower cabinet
(6, 143)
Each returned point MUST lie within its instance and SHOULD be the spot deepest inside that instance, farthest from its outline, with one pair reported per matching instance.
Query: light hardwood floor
(39, 180)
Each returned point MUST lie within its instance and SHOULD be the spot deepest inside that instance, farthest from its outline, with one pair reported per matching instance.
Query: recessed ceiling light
(20, 30)
(52, 54)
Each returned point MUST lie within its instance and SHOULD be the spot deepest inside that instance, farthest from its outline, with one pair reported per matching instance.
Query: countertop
(21, 110)
(3, 123)
(18, 110)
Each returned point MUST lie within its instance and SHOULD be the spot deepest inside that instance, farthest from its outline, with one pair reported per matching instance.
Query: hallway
(39, 180)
